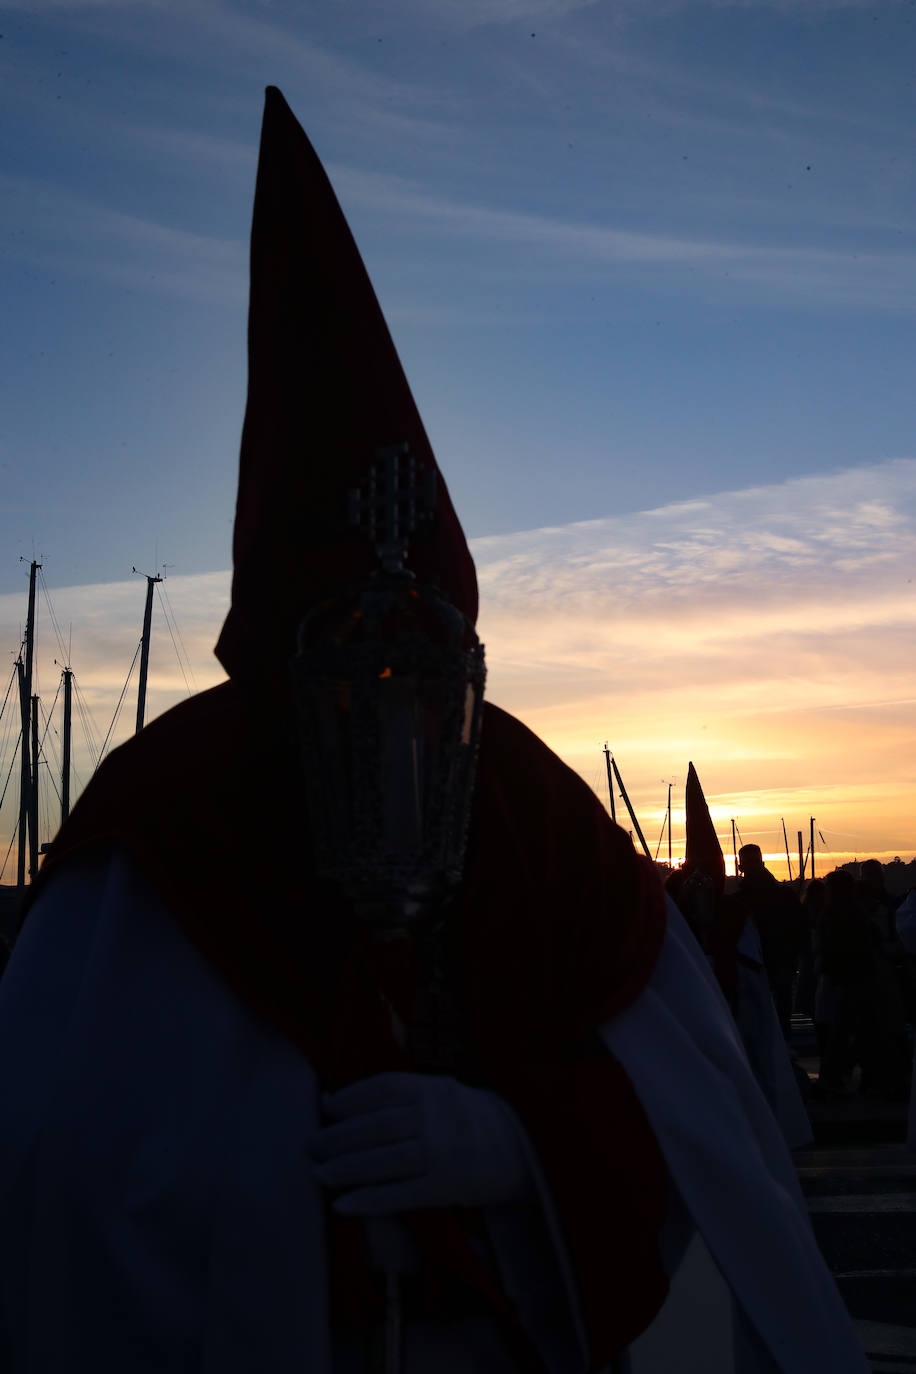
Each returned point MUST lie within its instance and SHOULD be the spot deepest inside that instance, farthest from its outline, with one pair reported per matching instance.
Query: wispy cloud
(60, 231)
(469, 13)
(768, 634)
(455, 11)
(472, 13)
(76, 6)
(885, 281)
(812, 557)
(206, 30)
(204, 150)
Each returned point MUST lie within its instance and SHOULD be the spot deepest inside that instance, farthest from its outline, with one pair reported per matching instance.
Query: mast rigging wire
(171, 635)
(10, 850)
(48, 716)
(90, 730)
(660, 838)
(10, 772)
(114, 718)
(44, 794)
(164, 593)
(8, 689)
(9, 727)
(77, 776)
(52, 617)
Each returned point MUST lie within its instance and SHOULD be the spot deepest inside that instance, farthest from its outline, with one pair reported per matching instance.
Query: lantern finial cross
(397, 499)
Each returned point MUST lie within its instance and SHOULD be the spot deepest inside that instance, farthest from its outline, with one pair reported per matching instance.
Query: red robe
(558, 927)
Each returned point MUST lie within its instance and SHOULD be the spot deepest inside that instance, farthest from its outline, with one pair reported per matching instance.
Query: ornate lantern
(389, 691)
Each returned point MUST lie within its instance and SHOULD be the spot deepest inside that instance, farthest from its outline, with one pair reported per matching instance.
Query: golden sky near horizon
(766, 635)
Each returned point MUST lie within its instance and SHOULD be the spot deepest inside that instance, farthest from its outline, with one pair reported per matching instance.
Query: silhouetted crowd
(858, 984)
(836, 956)
(832, 952)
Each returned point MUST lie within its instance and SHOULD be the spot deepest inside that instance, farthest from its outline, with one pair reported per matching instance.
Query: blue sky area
(631, 253)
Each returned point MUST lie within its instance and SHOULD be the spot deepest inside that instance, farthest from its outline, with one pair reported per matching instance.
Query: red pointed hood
(703, 849)
(325, 391)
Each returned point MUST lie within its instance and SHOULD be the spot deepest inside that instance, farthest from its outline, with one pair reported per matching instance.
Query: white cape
(729, 1163)
(764, 1044)
(157, 1210)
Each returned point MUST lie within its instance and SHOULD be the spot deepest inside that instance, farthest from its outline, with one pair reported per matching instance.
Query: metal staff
(389, 686)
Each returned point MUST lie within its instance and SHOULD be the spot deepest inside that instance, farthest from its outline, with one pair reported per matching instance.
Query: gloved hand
(401, 1141)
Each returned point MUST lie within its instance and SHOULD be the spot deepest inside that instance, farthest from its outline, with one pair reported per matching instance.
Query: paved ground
(863, 1208)
(860, 1184)
(866, 1120)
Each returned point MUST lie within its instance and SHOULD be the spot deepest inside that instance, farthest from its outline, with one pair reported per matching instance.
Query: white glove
(402, 1141)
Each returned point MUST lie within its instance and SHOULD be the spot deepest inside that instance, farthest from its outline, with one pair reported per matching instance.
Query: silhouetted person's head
(813, 900)
(873, 875)
(840, 891)
(750, 860)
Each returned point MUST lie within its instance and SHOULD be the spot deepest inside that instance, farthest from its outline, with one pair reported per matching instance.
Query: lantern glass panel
(389, 700)
(332, 744)
(401, 759)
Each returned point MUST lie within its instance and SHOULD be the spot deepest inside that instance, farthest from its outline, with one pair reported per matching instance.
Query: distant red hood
(703, 849)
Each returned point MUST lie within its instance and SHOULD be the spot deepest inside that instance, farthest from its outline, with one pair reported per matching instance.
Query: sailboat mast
(65, 762)
(786, 843)
(734, 847)
(33, 796)
(670, 785)
(25, 697)
(626, 799)
(610, 780)
(144, 649)
(812, 849)
(25, 771)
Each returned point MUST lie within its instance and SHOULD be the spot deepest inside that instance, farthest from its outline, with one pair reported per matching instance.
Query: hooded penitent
(703, 851)
(716, 919)
(559, 922)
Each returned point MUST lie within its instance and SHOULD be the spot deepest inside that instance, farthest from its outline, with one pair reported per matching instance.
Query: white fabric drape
(157, 1210)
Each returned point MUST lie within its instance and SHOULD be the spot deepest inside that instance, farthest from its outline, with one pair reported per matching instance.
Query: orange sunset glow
(766, 635)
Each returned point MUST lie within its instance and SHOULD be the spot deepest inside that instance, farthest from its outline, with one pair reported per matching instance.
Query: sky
(651, 271)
